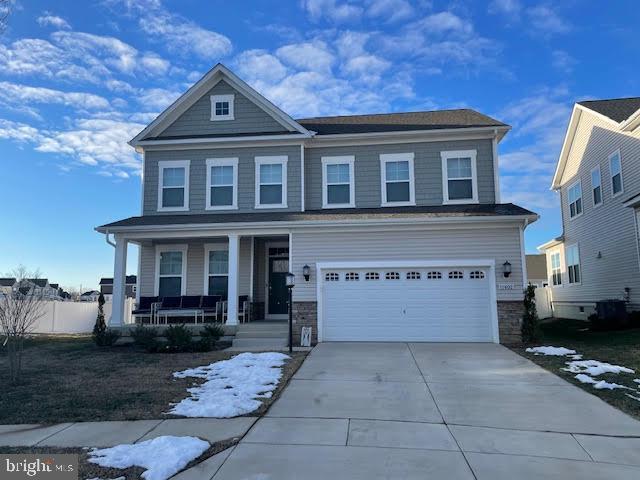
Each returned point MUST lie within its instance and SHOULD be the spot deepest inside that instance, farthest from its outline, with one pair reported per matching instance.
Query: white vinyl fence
(75, 317)
(543, 302)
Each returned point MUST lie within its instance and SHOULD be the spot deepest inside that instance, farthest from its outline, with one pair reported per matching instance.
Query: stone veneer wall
(305, 314)
(510, 321)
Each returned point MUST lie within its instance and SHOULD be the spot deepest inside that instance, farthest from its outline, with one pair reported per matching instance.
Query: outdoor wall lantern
(290, 282)
(306, 272)
(506, 269)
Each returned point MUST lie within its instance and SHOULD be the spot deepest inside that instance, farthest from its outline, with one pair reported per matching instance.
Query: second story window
(173, 186)
(556, 270)
(338, 182)
(271, 182)
(222, 107)
(575, 199)
(596, 186)
(615, 168)
(459, 180)
(222, 183)
(397, 179)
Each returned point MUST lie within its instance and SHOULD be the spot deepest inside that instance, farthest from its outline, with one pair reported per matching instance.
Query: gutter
(106, 238)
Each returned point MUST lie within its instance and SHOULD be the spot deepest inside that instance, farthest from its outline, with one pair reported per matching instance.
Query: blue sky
(78, 79)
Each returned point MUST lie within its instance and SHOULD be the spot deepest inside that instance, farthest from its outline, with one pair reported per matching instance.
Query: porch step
(259, 343)
(264, 327)
(261, 333)
(261, 336)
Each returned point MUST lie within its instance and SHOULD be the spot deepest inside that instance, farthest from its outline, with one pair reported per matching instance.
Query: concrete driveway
(451, 411)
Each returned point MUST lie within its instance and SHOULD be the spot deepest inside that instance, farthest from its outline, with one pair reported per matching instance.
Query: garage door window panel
(456, 275)
(372, 276)
(434, 276)
(392, 276)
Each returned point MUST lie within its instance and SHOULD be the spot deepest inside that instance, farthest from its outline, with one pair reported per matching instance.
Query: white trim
(271, 160)
(576, 183)
(183, 247)
(339, 160)
(229, 98)
(251, 270)
(396, 157)
(551, 252)
(142, 183)
(566, 263)
(593, 201)
(213, 247)
(496, 169)
(222, 162)
(233, 282)
(487, 263)
(614, 195)
(186, 164)
(445, 157)
(523, 259)
(267, 245)
(302, 181)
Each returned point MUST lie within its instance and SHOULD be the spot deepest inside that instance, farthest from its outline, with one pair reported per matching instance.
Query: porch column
(119, 281)
(234, 264)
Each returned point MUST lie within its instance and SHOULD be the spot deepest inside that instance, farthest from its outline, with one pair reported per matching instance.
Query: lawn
(69, 379)
(616, 347)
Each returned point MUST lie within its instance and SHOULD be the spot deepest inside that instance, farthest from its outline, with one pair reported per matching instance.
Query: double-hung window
(615, 169)
(222, 107)
(572, 257)
(271, 182)
(575, 199)
(556, 270)
(222, 183)
(459, 178)
(217, 271)
(596, 186)
(171, 263)
(338, 182)
(397, 179)
(173, 185)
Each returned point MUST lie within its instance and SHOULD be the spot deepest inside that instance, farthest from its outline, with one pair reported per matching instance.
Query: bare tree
(5, 10)
(20, 309)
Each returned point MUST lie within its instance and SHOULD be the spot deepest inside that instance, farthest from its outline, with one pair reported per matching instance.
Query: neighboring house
(598, 179)
(106, 287)
(90, 296)
(537, 270)
(7, 285)
(395, 218)
(39, 287)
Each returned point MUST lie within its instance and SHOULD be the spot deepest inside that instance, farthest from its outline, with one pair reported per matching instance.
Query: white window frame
(551, 269)
(617, 152)
(593, 198)
(449, 154)
(183, 276)
(208, 248)
(341, 160)
(268, 160)
(162, 165)
(397, 157)
(566, 256)
(222, 98)
(576, 183)
(222, 162)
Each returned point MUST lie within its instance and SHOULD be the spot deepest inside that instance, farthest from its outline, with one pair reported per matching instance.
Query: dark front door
(278, 268)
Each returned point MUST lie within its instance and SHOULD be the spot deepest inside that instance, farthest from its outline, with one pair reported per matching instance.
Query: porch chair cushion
(210, 303)
(144, 305)
(170, 303)
(191, 301)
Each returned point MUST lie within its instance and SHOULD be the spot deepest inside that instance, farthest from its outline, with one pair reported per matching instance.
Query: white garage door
(449, 304)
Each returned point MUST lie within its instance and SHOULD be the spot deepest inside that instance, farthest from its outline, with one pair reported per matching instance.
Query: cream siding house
(598, 180)
(394, 218)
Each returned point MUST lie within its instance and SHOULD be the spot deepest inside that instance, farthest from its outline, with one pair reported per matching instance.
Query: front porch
(228, 279)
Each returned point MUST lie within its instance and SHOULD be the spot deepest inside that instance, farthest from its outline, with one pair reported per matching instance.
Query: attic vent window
(222, 107)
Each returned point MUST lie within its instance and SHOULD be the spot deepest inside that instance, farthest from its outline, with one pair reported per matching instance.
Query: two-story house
(106, 287)
(598, 179)
(7, 285)
(391, 223)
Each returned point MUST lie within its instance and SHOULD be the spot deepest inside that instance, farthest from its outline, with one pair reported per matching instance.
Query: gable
(248, 117)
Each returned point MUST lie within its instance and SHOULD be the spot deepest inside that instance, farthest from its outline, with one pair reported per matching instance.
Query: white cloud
(259, 64)
(332, 10)
(20, 132)
(391, 10)
(562, 61)
(545, 20)
(314, 56)
(13, 93)
(157, 99)
(49, 20)
(368, 68)
(511, 8)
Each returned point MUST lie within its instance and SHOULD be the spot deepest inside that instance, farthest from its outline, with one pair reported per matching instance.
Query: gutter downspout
(523, 256)
(106, 239)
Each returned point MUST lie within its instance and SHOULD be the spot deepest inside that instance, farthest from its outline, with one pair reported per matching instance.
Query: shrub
(103, 336)
(209, 335)
(530, 322)
(178, 338)
(145, 337)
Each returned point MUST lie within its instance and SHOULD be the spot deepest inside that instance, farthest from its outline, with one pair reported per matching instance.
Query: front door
(278, 268)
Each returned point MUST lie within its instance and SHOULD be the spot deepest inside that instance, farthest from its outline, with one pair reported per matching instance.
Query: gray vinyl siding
(427, 169)
(408, 243)
(249, 118)
(196, 262)
(198, 176)
(609, 228)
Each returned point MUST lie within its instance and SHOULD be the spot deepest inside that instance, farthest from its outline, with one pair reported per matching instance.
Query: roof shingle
(617, 109)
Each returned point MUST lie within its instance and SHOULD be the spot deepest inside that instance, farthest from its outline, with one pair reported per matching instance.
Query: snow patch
(632, 396)
(232, 387)
(556, 351)
(599, 384)
(575, 357)
(637, 380)
(161, 457)
(594, 367)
